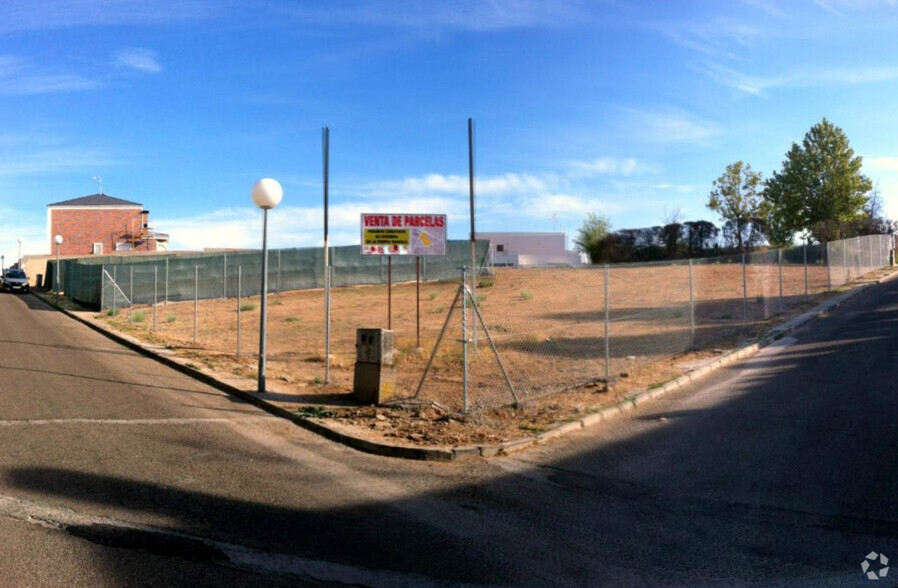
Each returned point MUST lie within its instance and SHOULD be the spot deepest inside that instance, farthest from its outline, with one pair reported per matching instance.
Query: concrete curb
(444, 453)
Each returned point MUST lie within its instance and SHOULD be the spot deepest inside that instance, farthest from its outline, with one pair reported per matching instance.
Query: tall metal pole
(325, 146)
(418, 302)
(224, 275)
(474, 271)
(58, 274)
(239, 293)
(263, 305)
(389, 292)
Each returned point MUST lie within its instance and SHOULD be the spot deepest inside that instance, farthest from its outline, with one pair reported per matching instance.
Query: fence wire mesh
(553, 328)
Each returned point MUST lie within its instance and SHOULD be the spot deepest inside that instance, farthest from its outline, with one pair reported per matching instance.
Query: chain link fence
(106, 281)
(557, 329)
(539, 330)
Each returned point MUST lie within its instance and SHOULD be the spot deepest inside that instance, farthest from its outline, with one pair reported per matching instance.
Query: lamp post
(20, 253)
(2, 264)
(267, 193)
(58, 239)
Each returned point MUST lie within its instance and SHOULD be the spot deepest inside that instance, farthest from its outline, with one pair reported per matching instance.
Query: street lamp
(267, 193)
(20, 253)
(58, 239)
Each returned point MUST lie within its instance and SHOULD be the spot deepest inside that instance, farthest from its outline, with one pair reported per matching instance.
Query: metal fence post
(805, 253)
(279, 273)
(464, 337)
(691, 305)
(166, 281)
(196, 302)
(102, 287)
(607, 327)
(239, 290)
(779, 259)
(845, 260)
(155, 292)
(327, 324)
(744, 293)
(131, 293)
(224, 276)
(829, 270)
(114, 288)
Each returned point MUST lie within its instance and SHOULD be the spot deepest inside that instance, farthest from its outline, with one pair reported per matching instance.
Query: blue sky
(624, 108)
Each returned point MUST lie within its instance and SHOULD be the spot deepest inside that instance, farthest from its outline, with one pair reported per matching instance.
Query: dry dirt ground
(565, 351)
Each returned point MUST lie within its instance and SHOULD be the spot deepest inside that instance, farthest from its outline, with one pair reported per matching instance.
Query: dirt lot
(548, 327)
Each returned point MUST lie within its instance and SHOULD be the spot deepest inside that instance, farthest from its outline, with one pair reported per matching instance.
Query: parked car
(15, 280)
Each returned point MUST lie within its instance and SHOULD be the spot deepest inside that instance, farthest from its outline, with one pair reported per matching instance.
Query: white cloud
(717, 37)
(883, 163)
(28, 15)
(19, 76)
(806, 78)
(607, 166)
(670, 126)
(142, 60)
(454, 184)
(468, 15)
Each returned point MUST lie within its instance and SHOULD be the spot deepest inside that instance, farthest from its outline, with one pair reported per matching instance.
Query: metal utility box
(374, 379)
(374, 346)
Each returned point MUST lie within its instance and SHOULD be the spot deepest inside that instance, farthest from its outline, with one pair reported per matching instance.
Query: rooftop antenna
(99, 180)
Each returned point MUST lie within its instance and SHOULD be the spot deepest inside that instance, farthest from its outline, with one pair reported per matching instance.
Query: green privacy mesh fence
(104, 281)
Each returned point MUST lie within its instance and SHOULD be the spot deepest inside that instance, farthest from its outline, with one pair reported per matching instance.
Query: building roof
(97, 200)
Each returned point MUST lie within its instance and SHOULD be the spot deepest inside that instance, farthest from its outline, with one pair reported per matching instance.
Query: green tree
(820, 190)
(589, 236)
(737, 198)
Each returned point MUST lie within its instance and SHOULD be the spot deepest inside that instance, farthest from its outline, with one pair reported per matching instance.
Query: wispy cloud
(142, 60)
(882, 163)
(470, 15)
(718, 37)
(52, 161)
(504, 201)
(607, 166)
(19, 76)
(28, 15)
(454, 184)
(847, 76)
(670, 126)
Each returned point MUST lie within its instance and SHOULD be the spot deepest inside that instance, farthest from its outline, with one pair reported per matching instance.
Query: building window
(98, 249)
(500, 248)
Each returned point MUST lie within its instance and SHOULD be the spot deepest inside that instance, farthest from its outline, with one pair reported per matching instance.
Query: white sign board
(403, 234)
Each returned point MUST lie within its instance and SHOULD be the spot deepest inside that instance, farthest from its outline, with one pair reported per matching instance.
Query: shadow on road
(786, 475)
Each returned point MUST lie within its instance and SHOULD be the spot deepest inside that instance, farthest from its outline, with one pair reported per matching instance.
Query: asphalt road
(117, 471)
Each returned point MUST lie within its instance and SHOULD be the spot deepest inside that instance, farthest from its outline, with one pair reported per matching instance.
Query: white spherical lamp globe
(58, 239)
(267, 193)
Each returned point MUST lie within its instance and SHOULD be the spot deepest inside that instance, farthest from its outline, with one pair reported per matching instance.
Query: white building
(531, 249)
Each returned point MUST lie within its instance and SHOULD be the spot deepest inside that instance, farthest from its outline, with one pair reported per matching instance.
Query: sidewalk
(287, 406)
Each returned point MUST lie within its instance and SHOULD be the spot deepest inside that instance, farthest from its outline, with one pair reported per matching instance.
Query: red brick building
(99, 225)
